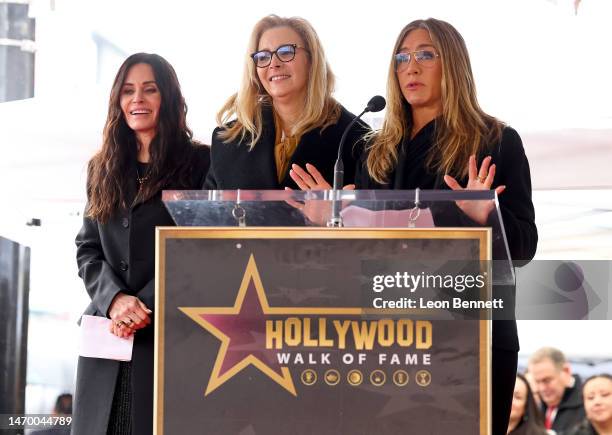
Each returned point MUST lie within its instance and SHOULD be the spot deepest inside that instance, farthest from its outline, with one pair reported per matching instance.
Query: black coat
(516, 206)
(584, 428)
(234, 166)
(570, 412)
(119, 256)
(512, 170)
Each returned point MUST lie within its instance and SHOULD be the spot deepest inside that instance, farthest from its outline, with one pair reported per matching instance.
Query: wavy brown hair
(463, 127)
(110, 171)
(246, 106)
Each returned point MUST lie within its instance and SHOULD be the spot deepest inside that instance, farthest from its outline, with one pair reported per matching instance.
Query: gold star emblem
(241, 329)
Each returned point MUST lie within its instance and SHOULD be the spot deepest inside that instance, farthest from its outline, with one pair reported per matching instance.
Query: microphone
(376, 104)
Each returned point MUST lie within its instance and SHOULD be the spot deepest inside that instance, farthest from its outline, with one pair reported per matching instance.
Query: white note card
(98, 342)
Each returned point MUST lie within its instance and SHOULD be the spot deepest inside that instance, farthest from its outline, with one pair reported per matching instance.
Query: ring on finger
(120, 323)
(481, 179)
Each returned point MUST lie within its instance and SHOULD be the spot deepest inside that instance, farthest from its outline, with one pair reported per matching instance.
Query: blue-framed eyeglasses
(423, 57)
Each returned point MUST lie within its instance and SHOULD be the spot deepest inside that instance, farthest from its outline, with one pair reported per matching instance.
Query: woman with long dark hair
(525, 417)
(146, 147)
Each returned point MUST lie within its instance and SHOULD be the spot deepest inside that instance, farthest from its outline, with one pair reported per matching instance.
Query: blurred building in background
(16, 51)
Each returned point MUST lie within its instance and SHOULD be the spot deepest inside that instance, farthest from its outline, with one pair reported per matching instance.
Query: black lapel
(310, 142)
(267, 142)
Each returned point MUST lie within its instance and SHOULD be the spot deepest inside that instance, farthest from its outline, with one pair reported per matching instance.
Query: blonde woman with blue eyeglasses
(283, 114)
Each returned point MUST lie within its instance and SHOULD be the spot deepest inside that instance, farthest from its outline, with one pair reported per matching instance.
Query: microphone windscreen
(376, 104)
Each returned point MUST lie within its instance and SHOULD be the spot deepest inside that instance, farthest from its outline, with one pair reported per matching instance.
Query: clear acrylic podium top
(358, 208)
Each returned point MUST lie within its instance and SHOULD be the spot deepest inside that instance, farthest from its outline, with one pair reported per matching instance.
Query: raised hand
(317, 211)
(478, 179)
(309, 179)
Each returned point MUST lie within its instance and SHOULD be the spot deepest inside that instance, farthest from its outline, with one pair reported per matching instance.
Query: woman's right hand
(128, 314)
(317, 211)
(309, 179)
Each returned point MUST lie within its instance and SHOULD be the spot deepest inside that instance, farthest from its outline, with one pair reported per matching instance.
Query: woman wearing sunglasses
(283, 114)
(436, 136)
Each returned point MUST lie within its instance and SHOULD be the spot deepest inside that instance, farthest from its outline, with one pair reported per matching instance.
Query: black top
(234, 166)
(142, 170)
(411, 171)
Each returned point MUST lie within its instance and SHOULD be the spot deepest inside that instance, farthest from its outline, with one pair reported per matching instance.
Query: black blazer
(570, 412)
(234, 166)
(512, 170)
(119, 256)
(516, 206)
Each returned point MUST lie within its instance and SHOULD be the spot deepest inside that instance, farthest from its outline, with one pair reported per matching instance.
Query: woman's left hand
(478, 179)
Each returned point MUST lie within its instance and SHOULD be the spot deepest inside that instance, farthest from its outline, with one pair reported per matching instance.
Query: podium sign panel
(310, 331)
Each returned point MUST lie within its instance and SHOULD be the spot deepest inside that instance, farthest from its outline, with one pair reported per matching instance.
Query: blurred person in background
(597, 397)
(525, 417)
(559, 390)
(62, 408)
(63, 405)
(146, 147)
(534, 389)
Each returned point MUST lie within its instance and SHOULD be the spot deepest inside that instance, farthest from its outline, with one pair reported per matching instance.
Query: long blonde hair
(246, 106)
(463, 128)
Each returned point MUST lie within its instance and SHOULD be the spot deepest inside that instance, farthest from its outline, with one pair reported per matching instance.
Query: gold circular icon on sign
(400, 378)
(378, 378)
(423, 378)
(354, 377)
(332, 377)
(309, 377)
